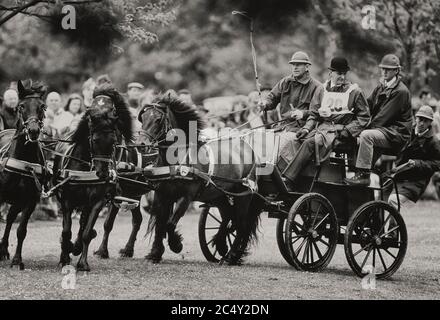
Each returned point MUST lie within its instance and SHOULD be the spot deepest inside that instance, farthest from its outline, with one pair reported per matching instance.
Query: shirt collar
(303, 80)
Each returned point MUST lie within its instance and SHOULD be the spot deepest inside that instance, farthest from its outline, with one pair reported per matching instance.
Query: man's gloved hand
(297, 114)
(302, 133)
(412, 163)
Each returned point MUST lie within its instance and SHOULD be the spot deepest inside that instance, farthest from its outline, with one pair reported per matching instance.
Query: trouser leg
(369, 139)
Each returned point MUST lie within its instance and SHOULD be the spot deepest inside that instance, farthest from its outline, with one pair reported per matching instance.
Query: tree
(407, 27)
(97, 19)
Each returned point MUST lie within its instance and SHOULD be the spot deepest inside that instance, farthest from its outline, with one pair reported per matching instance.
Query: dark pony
(104, 125)
(129, 159)
(217, 184)
(19, 186)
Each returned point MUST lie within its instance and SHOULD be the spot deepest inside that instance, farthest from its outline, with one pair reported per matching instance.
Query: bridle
(164, 124)
(110, 158)
(31, 119)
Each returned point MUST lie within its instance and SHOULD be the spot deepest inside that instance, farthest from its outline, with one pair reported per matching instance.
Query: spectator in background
(75, 106)
(145, 98)
(237, 116)
(134, 91)
(8, 110)
(60, 120)
(104, 78)
(253, 115)
(87, 91)
(185, 95)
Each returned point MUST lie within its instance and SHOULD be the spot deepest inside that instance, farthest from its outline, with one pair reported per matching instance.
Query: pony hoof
(126, 253)
(102, 253)
(4, 256)
(153, 258)
(17, 265)
(83, 267)
(77, 249)
(176, 247)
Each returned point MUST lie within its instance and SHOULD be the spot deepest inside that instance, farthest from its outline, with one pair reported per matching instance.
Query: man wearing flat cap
(391, 120)
(339, 112)
(293, 93)
(134, 91)
(422, 154)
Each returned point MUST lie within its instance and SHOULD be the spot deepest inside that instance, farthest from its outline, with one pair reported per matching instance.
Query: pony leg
(174, 237)
(102, 252)
(244, 230)
(161, 210)
(21, 235)
(88, 234)
(219, 239)
(4, 243)
(66, 234)
(78, 246)
(136, 222)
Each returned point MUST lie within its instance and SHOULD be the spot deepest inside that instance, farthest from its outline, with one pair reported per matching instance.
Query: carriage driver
(390, 126)
(339, 113)
(293, 93)
(422, 153)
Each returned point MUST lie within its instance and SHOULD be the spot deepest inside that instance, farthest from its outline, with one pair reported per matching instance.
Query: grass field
(265, 275)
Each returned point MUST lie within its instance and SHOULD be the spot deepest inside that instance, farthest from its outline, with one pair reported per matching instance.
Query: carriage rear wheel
(281, 240)
(209, 225)
(311, 232)
(375, 240)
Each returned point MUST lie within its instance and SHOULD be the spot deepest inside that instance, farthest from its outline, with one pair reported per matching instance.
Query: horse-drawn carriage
(320, 213)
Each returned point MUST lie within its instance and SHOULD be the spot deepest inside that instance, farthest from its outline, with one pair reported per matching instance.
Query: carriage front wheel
(209, 225)
(375, 240)
(311, 232)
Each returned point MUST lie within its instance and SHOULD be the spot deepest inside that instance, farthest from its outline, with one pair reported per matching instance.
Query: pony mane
(124, 122)
(182, 111)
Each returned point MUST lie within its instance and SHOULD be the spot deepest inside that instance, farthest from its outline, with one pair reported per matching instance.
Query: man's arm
(274, 96)
(315, 104)
(362, 115)
(428, 167)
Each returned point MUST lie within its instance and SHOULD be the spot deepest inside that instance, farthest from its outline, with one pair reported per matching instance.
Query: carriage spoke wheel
(209, 224)
(281, 240)
(311, 232)
(375, 240)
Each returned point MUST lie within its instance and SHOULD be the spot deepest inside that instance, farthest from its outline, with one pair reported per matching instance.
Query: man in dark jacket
(390, 126)
(294, 92)
(339, 111)
(422, 153)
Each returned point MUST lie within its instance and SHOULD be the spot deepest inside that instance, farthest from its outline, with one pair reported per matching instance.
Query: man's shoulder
(316, 83)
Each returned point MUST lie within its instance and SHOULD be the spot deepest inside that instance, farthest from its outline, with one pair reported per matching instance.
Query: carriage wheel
(281, 240)
(375, 240)
(209, 224)
(311, 232)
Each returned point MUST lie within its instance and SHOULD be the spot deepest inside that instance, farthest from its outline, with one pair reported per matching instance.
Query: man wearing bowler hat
(422, 156)
(339, 113)
(391, 122)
